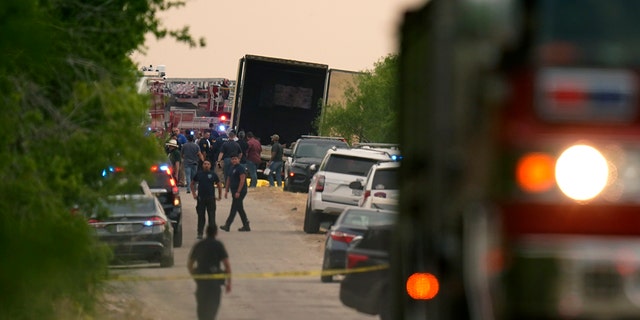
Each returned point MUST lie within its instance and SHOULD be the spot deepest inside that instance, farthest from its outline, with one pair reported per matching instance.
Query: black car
(136, 228)
(352, 222)
(304, 159)
(368, 292)
(164, 186)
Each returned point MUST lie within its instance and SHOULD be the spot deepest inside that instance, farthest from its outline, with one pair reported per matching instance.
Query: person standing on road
(218, 140)
(275, 164)
(206, 147)
(174, 158)
(242, 142)
(254, 149)
(205, 196)
(205, 259)
(190, 156)
(229, 149)
(181, 138)
(236, 183)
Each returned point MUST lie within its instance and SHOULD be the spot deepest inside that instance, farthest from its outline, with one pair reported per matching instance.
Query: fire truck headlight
(581, 172)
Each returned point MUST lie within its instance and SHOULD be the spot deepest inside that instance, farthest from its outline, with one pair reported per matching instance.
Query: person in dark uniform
(206, 147)
(205, 259)
(236, 182)
(229, 149)
(219, 140)
(206, 197)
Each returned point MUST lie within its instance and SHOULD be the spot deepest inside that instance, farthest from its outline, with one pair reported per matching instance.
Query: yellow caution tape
(265, 275)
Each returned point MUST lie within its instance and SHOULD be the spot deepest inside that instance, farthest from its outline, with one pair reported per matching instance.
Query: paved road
(275, 244)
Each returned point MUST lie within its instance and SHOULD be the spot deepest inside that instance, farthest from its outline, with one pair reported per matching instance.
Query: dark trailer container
(278, 96)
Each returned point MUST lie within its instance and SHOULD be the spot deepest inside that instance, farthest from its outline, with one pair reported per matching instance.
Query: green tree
(70, 109)
(369, 113)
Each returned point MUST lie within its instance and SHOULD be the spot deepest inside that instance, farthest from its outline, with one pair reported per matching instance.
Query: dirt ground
(116, 304)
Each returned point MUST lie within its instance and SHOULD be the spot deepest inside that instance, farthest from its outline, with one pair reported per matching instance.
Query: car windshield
(365, 218)
(385, 179)
(349, 165)
(317, 149)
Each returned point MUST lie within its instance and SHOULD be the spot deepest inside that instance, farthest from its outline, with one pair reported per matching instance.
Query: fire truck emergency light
(581, 172)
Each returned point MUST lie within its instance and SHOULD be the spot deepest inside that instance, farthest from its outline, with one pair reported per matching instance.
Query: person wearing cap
(275, 164)
(174, 157)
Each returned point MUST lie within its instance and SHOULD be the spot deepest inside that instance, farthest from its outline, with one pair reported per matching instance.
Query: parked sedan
(368, 292)
(136, 228)
(352, 222)
(165, 188)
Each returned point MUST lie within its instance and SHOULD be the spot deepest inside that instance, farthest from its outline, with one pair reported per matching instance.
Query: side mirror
(356, 185)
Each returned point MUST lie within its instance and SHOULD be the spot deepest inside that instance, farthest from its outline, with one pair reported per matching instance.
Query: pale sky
(344, 34)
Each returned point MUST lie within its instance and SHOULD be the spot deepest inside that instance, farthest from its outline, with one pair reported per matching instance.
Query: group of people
(209, 164)
(208, 260)
(215, 160)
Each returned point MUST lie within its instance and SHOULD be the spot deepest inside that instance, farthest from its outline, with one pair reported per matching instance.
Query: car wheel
(177, 236)
(167, 262)
(326, 265)
(311, 221)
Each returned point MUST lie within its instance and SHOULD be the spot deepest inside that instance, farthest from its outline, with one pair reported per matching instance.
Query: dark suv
(305, 157)
(164, 187)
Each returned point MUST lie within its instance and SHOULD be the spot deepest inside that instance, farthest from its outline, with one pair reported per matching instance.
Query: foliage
(70, 109)
(369, 113)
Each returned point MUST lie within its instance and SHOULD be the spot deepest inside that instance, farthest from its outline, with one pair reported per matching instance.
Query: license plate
(124, 228)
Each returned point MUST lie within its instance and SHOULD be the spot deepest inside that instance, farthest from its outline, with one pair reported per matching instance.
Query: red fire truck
(531, 206)
(188, 103)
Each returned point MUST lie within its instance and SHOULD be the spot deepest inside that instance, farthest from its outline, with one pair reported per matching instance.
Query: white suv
(380, 189)
(329, 191)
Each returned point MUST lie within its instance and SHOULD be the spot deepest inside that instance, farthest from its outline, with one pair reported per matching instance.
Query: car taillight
(174, 185)
(422, 286)
(341, 236)
(95, 223)
(155, 221)
(354, 259)
(320, 184)
(367, 194)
